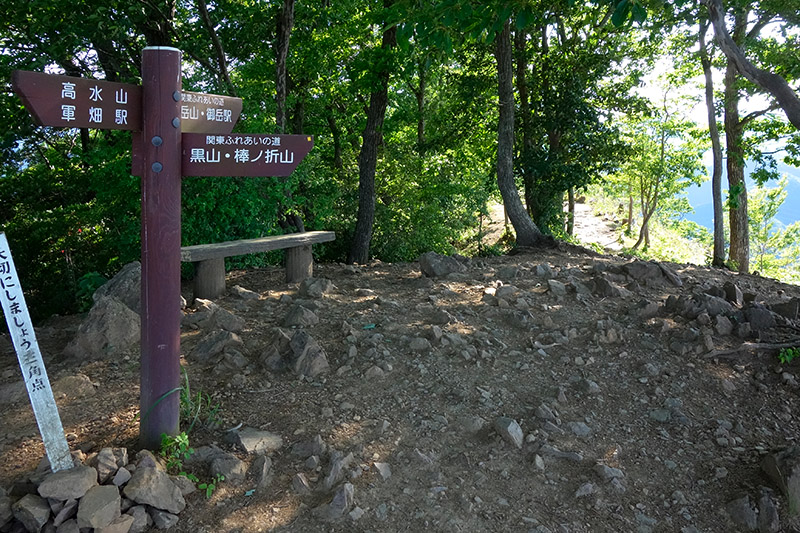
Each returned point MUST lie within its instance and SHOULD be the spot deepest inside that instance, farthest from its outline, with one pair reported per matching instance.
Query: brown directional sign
(79, 102)
(71, 102)
(209, 113)
(242, 154)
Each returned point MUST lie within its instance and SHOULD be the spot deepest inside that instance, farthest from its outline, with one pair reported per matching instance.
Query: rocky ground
(551, 391)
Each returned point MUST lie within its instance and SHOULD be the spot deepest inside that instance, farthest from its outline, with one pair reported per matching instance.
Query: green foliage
(210, 486)
(87, 285)
(196, 407)
(787, 355)
(175, 450)
(775, 250)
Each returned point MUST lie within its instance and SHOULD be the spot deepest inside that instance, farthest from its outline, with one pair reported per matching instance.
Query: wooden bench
(209, 259)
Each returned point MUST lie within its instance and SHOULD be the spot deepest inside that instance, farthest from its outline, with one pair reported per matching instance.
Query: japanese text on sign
(30, 361)
(243, 154)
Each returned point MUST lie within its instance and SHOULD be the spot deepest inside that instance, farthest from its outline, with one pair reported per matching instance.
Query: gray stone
(339, 463)
(760, 318)
(122, 476)
(733, 293)
(121, 524)
(768, 518)
(68, 484)
(661, 415)
(153, 487)
(783, 467)
(105, 463)
(213, 344)
(340, 504)
(510, 430)
(556, 287)
(789, 309)
(244, 294)
(162, 519)
(300, 317)
(125, 286)
(374, 372)
(69, 510)
(252, 440)
(552, 451)
(69, 526)
(110, 329)
(507, 272)
(307, 357)
(262, 471)
(419, 344)
(146, 459)
(585, 490)
(723, 325)
(506, 292)
(604, 288)
(579, 429)
(6, 513)
(544, 271)
(224, 319)
(645, 524)
(315, 287)
(589, 387)
(74, 387)
(184, 484)
(383, 469)
(607, 473)
(434, 265)
(743, 513)
(32, 510)
(141, 519)
(99, 507)
(231, 468)
(300, 484)
(315, 446)
(545, 413)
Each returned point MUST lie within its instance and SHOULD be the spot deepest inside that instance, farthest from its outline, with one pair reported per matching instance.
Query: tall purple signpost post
(161, 244)
(162, 117)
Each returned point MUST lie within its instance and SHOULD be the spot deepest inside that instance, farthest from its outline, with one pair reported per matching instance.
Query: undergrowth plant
(787, 355)
(197, 407)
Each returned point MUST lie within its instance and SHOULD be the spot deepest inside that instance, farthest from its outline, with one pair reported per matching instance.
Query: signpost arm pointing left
(161, 243)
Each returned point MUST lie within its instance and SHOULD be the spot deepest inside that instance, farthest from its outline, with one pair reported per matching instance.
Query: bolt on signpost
(175, 133)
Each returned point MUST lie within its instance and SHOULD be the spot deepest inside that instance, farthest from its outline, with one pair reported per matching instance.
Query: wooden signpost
(175, 133)
(31, 363)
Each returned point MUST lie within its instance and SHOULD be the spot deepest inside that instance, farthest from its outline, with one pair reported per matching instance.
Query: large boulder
(434, 265)
(126, 287)
(110, 328)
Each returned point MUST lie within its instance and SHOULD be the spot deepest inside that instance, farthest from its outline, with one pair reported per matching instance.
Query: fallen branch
(752, 346)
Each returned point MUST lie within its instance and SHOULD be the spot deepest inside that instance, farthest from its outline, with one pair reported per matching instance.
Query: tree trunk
(737, 190)
(368, 157)
(770, 82)
(718, 254)
(285, 23)
(571, 211)
(521, 55)
(527, 232)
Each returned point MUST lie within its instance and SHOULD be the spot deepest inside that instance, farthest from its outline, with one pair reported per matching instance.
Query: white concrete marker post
(30, 361)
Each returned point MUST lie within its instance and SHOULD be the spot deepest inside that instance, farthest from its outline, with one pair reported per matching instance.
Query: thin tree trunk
(521, 55)
(571, 211)
(718, 254)
(368, 157)
(420, 94)
(285, 23)
(737, 190)
(527, 232)
(630, 208)
(221, 60)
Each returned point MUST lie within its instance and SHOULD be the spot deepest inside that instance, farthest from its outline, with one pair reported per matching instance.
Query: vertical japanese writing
(23, 337)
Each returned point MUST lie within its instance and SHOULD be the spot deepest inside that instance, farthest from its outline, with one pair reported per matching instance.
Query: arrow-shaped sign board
(66, 101)
(70, 102)
(242, 154)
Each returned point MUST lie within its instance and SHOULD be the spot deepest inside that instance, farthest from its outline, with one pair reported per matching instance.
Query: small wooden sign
(242, 154)
(66, 101)
(209, 113)
(30, 361)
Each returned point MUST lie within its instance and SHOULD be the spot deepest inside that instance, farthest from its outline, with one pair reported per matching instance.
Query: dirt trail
(589, 228)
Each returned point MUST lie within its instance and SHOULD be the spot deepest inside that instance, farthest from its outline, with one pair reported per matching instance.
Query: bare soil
(688, 430)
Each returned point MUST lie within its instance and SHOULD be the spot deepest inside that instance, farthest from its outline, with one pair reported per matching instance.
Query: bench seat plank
(201, 252)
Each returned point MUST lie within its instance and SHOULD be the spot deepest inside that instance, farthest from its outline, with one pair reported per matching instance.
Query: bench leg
(299, 263)
(209, 278)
